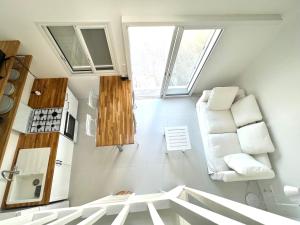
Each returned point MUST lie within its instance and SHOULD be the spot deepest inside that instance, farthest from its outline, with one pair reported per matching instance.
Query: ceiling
(18, 20)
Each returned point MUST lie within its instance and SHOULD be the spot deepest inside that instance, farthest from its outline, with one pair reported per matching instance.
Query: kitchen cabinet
(65, 150)
(60, 182)
(62, 170)
(71, 103)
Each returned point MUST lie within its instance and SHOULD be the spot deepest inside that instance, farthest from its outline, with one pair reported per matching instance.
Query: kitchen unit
(55, 103)
(56, 119)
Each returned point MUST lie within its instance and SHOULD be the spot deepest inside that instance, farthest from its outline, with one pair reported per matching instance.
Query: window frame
(77, 26)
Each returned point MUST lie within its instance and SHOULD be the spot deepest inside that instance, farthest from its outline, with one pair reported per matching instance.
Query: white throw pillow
(220, 122)
(255, 139)
(224, 144)
(246, 111)
(205, 95)
(221, 98)
(245, 164)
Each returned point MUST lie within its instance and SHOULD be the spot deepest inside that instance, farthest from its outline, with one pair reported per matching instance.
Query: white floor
(97, 172)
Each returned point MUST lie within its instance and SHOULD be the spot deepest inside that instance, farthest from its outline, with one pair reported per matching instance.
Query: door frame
(199, 65)
(126, 25)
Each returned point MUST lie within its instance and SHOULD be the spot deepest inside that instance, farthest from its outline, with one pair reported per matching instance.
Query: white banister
(121, 217)
(216, 210)
(205, 213)
(154, 215)
(67, 218)
(93, 218)
(43, 218)
(255, 214)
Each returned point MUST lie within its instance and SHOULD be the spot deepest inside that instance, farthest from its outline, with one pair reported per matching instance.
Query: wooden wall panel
(10, 48)
(8, 118)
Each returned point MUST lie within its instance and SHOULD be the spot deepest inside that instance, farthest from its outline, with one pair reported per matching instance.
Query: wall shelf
(7, 120)
(10, 48)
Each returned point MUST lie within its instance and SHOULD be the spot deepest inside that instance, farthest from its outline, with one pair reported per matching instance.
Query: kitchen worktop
(53, 92)
(37, 141)
(115, 119)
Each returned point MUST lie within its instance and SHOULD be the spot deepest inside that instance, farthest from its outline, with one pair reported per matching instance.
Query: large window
(189, 52)
(167, 60)
(83, 49)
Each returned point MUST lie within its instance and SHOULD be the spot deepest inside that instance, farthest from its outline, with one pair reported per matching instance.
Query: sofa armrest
(230, 176)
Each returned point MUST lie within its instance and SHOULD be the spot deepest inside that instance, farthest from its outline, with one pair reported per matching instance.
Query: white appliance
(69, 123)
(62, 171)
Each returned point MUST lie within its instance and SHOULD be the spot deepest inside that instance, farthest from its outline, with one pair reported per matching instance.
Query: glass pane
(190, 51)
(96, 42)
(149, 49)
(69, 45)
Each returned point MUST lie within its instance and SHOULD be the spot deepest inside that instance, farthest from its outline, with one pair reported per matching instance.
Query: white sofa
(219, 136)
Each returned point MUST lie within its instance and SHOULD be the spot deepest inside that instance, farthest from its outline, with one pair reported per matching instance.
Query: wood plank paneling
(8, 118)
(36, 141)
(53, 93)
(115, 119)
(10, 48)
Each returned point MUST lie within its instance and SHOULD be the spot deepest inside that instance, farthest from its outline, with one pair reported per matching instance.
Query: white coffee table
(177, 139)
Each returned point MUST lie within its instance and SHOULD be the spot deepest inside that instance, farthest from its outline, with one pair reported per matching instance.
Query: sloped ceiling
(238, 45)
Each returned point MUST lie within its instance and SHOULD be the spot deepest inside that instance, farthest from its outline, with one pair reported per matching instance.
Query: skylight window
(83, 49)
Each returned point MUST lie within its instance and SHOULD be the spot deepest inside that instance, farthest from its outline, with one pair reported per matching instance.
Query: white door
(188, 55)
(60, 182)
(65, 150)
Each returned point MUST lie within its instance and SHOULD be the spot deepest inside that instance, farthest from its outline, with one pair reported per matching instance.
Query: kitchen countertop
(37, 141)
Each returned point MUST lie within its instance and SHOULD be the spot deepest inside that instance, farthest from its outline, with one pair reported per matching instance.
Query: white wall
(239, 44)
(274, 77)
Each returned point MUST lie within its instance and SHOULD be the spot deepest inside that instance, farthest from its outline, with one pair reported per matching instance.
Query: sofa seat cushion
(221, 98)
(219, 146)
(255, 139)
(246, 165)
(219, 122)
(264, 159)
(224, 144)
(246, 111)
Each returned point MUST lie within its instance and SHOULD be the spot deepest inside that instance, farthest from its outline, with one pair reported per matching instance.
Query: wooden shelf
(7, 120)
(10, 48)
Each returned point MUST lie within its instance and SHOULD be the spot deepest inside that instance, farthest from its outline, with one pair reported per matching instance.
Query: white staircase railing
(218, 210)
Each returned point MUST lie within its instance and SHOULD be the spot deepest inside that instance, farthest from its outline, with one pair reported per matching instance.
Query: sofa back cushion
(246, 111)
(245, 164)
(255, 139)
(219, 121)
(221, 98)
